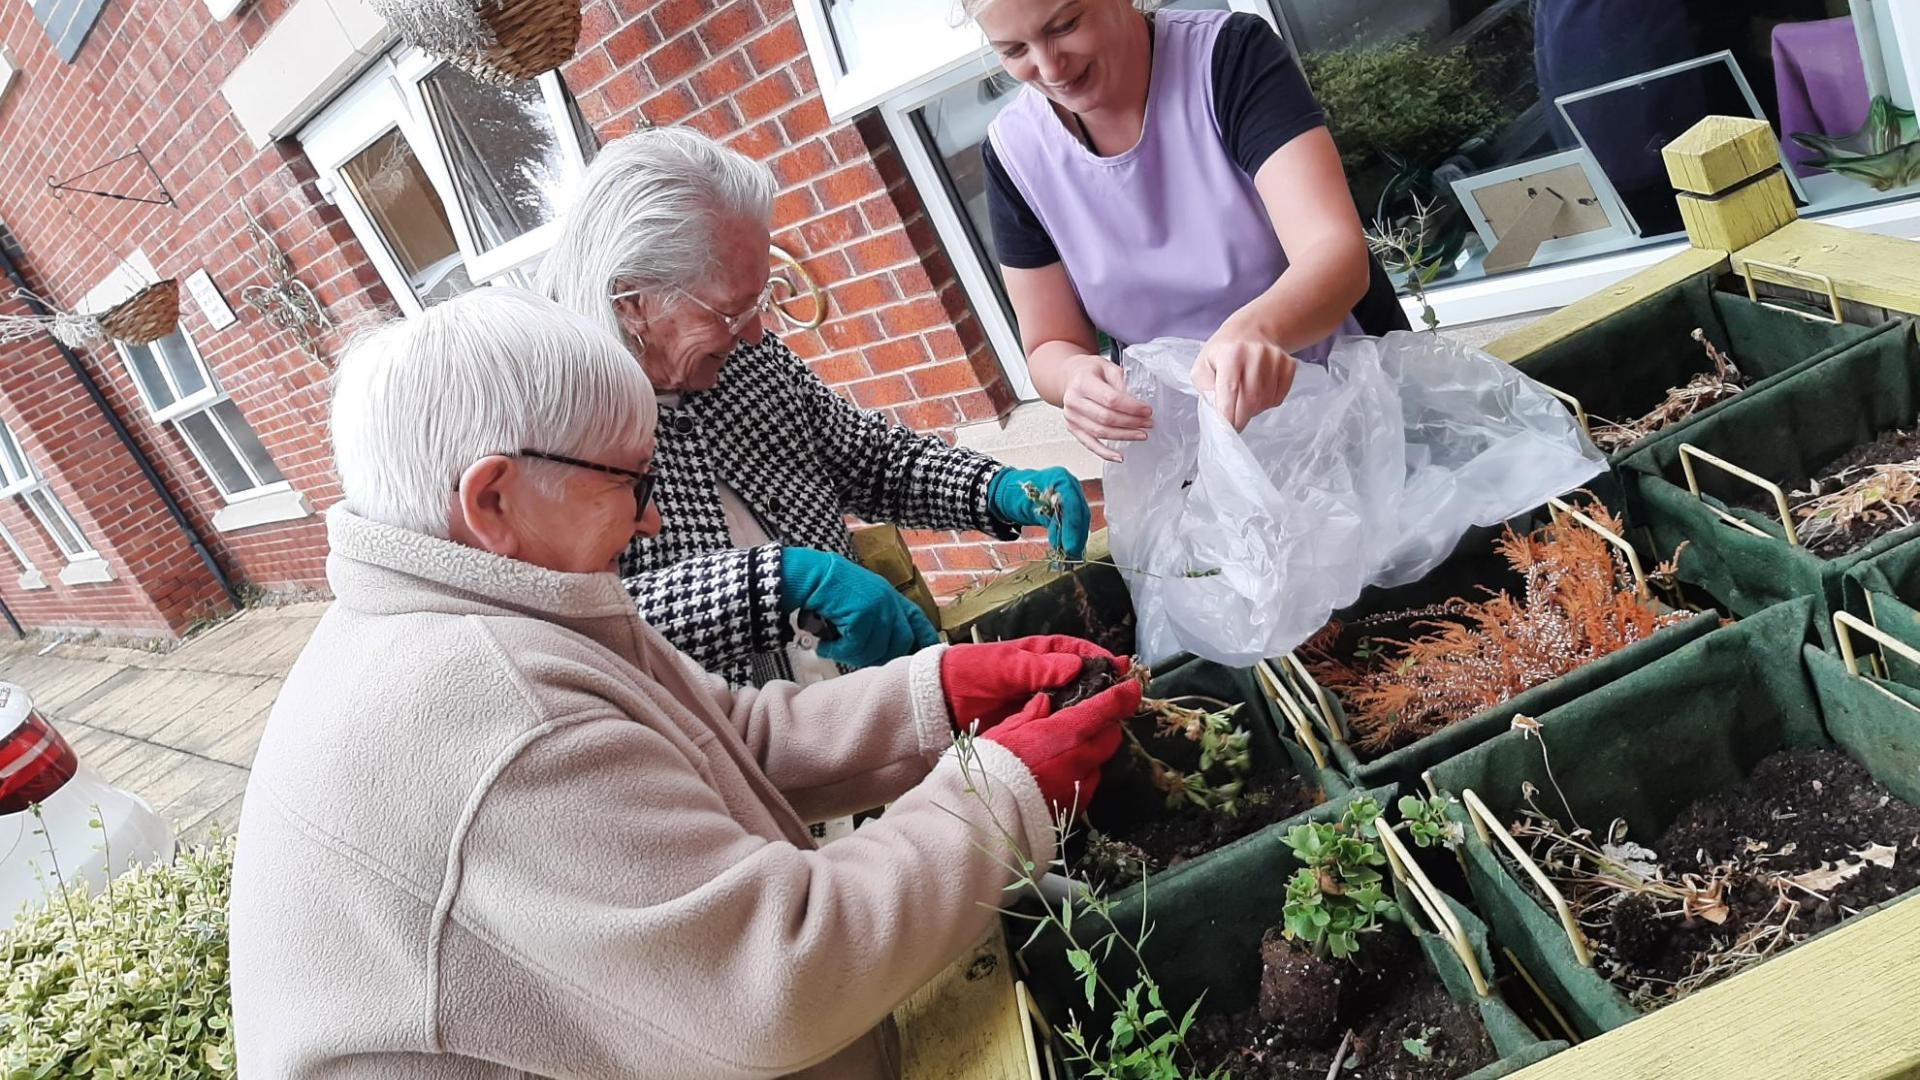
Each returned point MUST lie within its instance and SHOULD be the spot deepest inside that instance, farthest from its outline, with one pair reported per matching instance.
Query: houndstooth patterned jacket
(801, 457)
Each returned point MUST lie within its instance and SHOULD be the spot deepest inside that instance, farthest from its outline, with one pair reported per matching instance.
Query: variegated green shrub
(127, 984)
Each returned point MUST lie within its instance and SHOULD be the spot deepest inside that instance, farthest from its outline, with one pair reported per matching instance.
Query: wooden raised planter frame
(1839, 1008)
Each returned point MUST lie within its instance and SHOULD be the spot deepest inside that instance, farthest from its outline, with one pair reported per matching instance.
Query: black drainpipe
(126, 439)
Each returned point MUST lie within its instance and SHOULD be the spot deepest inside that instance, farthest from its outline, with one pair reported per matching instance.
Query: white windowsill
(265, 507)
(33, 580)
(89, 570)
(1555, 286)
(1033, 436)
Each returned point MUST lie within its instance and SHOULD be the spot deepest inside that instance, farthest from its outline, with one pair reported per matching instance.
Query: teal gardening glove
(1061, 505)
(874, 623)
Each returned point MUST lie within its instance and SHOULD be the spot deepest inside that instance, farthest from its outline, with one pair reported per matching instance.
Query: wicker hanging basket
(146, 316)
(495, 41)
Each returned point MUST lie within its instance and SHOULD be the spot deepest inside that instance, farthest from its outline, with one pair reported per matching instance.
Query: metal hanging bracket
(72, 183)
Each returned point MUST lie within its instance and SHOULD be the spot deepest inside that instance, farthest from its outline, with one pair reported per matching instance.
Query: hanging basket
(146, 316)
(495, 41)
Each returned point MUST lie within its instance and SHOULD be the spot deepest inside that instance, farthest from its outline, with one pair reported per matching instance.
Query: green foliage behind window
(1401, 100)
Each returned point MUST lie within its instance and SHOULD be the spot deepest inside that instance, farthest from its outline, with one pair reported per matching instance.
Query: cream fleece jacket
(498, 827)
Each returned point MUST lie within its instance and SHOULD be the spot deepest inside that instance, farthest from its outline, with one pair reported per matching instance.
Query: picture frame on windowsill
(1626, 123)
(1560, 203)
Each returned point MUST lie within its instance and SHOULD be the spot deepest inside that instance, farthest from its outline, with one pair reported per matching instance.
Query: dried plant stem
(1704, 389)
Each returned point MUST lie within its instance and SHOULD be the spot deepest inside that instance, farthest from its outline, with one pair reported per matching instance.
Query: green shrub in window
(129, 983)
(1402, 101)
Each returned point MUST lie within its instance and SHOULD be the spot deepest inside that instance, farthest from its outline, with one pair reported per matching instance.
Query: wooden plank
(1719, 152)
(965, 1024)
(1842, 1007)
(1582, 313)
(1867, 268)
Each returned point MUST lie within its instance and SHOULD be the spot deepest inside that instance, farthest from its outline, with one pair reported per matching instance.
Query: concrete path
(178, 729)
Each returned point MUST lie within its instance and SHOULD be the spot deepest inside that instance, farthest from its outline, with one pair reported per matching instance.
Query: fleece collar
(384, 568)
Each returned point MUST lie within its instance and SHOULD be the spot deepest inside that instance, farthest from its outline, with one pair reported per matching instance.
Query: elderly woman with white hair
(666, 246)
(498, 827)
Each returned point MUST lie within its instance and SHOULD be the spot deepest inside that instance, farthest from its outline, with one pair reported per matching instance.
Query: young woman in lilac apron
(1168, 176)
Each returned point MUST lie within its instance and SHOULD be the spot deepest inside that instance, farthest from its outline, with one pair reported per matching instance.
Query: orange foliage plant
(1580, 603)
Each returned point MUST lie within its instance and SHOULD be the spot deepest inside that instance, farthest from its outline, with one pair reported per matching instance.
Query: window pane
(214, 452)
(242, 436)
(179, 358)
(1425, 96)
(53, 518)
(146, 370)
(13, 462)
(392, 186)
(502, 149)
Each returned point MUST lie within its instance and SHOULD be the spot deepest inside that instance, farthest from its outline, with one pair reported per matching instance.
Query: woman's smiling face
(1067, 49)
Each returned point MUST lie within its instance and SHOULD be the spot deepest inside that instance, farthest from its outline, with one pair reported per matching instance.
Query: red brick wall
(901, 335)
(150, 76)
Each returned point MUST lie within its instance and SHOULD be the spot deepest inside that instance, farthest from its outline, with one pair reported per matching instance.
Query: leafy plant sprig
(1144, 1040)
(1337, 895)
(1428, 823)
(1225, 747)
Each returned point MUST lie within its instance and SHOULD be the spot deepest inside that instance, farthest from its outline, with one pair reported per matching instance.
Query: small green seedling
(1337, 895)
(1418, 1047)
(1427, 821)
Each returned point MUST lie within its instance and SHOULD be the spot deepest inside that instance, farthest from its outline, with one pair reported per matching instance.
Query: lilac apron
(1169, 238)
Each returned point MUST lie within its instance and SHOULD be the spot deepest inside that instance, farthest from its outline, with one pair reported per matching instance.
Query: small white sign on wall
(7, 72)
(213, 306)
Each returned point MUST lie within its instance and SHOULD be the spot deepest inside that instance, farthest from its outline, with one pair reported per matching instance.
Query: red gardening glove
(985, 683)
(1065, 750)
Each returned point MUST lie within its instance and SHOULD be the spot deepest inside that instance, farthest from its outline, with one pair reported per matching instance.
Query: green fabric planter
(1271, 753)
(1093, 602)
(1622, 367)
(1474, 566)
(1207, 918)
(1785, 432)
(1646, 746)
(1883, 590)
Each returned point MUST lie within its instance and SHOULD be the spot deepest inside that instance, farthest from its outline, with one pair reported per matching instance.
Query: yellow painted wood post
(1732, 186)
(881, 549)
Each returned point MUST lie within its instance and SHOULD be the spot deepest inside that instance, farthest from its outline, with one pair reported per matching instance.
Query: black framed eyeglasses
(642, 481)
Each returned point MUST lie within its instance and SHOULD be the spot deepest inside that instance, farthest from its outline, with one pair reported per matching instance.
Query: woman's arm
(1063, 359)
(718, 608)
(1248, 362)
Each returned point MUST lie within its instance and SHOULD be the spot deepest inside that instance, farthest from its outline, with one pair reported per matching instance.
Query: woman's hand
(1098, 406)
(1247, 374)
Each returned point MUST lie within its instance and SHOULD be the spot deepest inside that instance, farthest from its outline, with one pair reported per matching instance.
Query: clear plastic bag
(1238, 546)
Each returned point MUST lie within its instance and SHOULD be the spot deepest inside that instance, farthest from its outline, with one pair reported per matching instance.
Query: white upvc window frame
(908, 78)
(976, 276)
(27, 483)
(389, 96)
(205, 400)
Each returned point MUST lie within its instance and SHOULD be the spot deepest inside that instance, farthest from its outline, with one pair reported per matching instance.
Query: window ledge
(1033, 436)
(87, 571)
(32, 580)
(247, 511)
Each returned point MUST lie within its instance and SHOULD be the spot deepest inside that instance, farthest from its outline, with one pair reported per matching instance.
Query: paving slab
(178, 728)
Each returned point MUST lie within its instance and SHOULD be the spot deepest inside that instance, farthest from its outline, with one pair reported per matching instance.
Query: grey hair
(645, 215)
(492, 371)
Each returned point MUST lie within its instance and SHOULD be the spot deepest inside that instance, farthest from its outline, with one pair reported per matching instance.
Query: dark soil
(1134, 831)
(1391, 1000)
(1167, 837)
(1893, 448)
(1806, 810)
